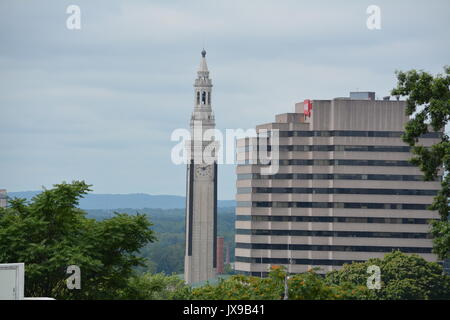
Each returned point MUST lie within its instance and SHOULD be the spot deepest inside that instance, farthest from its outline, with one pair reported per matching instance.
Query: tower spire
(203, 65)
(202, 91)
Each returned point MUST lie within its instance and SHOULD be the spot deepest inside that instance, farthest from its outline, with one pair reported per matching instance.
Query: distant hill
(131, 201)
(167, 253)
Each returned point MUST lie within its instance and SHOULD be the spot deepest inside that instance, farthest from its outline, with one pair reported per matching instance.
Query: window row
(253, 273)
(307, 247)
(397, 192)
(203, 96)
(336, 205)
(260, 218)
(344, 234)
(336, 176)
(327, 148)
(351, 133)
(332, 162)
(345, 162)
(317, 262)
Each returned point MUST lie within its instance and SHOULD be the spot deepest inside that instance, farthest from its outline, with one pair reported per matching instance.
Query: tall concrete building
(344, 191)
(3, 198)
(201, 189)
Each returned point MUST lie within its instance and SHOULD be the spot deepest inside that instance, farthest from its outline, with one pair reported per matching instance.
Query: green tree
(240, 287)
(304, 286)
(228, 269)
(402, 277)
(428, 104)
(50, 233)
(157, 286)
(167, 254)
(311, 286)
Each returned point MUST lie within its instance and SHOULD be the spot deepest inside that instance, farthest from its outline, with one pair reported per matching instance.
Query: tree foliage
(304, 286)
(167, 254)
(157, 286)
(402, 277)
(428, 104)
(50, 233)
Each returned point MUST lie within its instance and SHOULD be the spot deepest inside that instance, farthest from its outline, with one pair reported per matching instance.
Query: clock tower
(201, 187)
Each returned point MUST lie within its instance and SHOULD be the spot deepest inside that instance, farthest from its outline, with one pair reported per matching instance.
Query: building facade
(201, 188)
(344, 190)
(3, 198)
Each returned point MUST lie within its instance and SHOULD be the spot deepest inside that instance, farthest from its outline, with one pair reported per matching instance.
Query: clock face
(203, 171)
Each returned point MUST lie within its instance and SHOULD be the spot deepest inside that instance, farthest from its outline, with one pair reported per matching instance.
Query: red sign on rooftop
(307, 107)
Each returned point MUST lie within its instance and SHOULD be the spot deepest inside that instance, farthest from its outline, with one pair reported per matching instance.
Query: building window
(203, 97)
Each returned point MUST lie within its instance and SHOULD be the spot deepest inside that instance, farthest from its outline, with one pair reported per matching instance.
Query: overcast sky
(100, 103)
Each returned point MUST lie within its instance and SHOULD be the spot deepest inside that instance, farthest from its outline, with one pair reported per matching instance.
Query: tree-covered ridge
(167, 254)
(105, 201)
